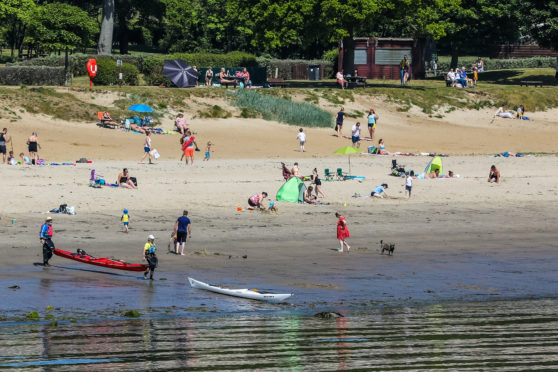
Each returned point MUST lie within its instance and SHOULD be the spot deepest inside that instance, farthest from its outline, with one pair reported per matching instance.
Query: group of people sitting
(460, 79)
(225, 78)
(504, 113)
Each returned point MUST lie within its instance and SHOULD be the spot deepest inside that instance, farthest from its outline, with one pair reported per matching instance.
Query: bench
(277, 82)
(531, 82)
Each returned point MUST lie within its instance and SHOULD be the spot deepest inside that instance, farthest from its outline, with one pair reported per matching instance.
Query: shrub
(32, 75)
(499, 64)
(107, 73)
(284, 110)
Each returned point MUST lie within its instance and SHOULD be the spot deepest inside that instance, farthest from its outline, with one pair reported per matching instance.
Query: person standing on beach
(147, 148)
(371, 123)
(46, 240)
(317, 182)
(494, 175)
(182, 229)
(408, 183)
(33, 145)
(208, 151)
(188, 147)
(4, 139)
(356, 135)
(149, 255)
(339, 121)
(342, 232)
(301, 139)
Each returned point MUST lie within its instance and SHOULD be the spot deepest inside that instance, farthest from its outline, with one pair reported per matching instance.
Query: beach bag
(127, 124)
(372, 149)
(155, 154)
(134, 180)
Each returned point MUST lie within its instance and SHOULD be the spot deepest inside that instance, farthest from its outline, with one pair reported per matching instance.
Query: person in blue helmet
(125, 219)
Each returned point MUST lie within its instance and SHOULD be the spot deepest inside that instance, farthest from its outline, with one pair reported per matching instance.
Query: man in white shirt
(356, 135)
(450, 78)
(301, 139)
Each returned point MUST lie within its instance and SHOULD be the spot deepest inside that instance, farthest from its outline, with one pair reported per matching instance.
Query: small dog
(389, 247)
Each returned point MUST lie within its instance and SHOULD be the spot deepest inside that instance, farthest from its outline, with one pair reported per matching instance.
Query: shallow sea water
(516, 335)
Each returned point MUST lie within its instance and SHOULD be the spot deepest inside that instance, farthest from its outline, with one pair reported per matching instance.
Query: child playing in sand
(208, 151)
(24, 159)
(301, 139)
(11, 159)
(125, 219)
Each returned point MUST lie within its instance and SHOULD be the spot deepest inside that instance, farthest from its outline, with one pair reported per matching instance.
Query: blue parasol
(140, 108)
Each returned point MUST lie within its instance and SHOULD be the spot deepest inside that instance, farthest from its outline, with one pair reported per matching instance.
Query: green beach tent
(292, 191)
(435, 163)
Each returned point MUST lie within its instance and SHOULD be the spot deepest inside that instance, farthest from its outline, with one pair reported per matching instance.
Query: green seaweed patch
(54, 323)
(49, 317)
(49, 307)
(132, 314)
(33, 315)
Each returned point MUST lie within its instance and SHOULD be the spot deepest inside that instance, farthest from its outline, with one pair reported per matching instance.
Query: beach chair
(340, 175)
(327, 175)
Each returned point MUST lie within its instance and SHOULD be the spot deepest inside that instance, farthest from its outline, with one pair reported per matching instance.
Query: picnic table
(359, 81)
(530, 82)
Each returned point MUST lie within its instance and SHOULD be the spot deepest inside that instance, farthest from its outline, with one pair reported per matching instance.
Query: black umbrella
(180, 73)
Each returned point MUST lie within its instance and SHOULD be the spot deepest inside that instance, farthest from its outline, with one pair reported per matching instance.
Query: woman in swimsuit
(208, 76)
(125, 181)
(382, 148)
(224, 79)
(33, 145)
(317, 182)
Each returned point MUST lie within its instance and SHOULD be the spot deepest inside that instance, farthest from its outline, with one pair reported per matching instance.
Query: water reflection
(511, 335)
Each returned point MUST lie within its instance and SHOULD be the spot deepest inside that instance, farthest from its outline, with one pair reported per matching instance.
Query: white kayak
(252, 294)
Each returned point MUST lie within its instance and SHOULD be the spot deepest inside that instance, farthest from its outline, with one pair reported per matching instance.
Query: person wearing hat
(46, 240)
(125, 219)
(149, 255)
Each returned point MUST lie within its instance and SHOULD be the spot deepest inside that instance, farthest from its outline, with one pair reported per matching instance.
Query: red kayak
(81, 256)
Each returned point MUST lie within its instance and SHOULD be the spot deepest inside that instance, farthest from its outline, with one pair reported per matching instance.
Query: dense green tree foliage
(279, 28)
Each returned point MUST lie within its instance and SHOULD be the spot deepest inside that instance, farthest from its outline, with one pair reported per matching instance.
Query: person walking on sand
(46, 240)
(208, 151)
(188, 147)
(342, 232)
(301, 139)
(33, 146)
(149, 255)
(4, 139)
(147, 148)
(408, 183)
(125, 220)
(317, 182)
(182, 229)
(494, 175)
(339, 121)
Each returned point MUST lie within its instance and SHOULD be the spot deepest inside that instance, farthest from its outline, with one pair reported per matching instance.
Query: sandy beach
(468, 227)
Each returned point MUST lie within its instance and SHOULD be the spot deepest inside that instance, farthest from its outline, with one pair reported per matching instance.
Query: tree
(58, 26)
(15, 14)
(541, 21)
(107, 27)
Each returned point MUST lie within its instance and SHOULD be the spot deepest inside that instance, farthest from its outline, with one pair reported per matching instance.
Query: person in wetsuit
(46, 240)
(149, 256)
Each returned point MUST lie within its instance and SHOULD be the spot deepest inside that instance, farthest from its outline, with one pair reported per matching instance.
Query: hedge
(501, 64)
(107, 73)
(285, 67)
(32, 75)
(77, 63)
